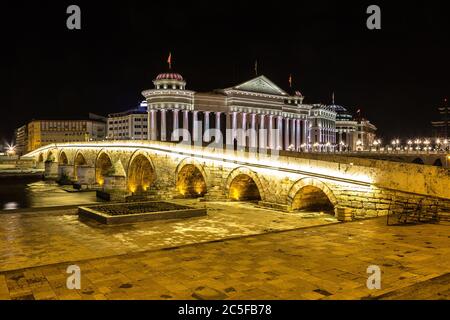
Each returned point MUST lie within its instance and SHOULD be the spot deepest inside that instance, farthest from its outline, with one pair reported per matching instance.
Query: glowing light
(269, 164)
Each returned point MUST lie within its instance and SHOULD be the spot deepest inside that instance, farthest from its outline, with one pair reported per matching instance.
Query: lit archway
(41, 158)
(244, 188)
(190, 182)
(63, 158)
(80, 160)
(50, 157)
(141, 174)
(102, 166)
(311, 194)
(311, 198)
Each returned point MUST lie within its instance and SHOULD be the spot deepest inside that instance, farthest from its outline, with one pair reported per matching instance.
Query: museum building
(256, 114)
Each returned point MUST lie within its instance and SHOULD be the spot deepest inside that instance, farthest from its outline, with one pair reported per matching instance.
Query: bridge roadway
(288, 181)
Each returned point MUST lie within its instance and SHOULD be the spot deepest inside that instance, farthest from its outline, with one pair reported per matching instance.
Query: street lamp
(427, 143)
(11, 150)
(409, 145)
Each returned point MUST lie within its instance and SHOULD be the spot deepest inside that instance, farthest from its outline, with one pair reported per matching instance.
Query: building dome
(170, 80)
(169, 76)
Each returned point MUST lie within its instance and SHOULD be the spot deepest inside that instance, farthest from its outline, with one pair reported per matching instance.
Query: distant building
(441, 128)
(129, 125)
(256, 114)
(323, 128)
(353, 133)
(21, 140)
(44, 132)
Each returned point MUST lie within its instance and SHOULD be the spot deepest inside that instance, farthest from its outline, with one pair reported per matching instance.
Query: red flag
(290, 80)
(169, 60)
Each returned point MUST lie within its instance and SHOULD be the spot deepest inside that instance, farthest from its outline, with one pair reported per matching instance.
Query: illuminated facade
(44, 132)
(256, 114)
(128, 125)
(21, 140)
(353, 133)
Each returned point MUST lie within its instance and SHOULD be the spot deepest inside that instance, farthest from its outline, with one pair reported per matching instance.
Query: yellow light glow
(261, 163)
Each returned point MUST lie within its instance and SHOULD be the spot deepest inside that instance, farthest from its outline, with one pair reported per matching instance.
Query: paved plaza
(234, 253)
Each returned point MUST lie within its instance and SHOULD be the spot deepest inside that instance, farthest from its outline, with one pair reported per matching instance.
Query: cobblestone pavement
(44, 238)
(327, 262)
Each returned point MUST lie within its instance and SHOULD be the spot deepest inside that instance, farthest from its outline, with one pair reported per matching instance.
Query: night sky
(397, 76)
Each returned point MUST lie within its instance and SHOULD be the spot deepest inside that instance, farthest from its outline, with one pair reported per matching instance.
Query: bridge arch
(79, 160)
(191, 178)
(63, 158)
(310, 194)
(244, 184)
(51, 156)
(437, 162)
(40, 157)
(141, 172)
(103, 164)
(418, 161)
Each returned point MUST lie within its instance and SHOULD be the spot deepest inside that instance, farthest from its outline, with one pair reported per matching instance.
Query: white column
(280, 133)
(253, 137)
(262, 133)
(234, 125)
(293, 136)
(218, 120)
(206, 124)
(195, 128)
(163, 126)
(186, 126)
(149, 134)
(153, 124)
(244, 129)
(298, 135)
(286, 134)
(219, 139)
(306, 133)
(176, 122)
(270, 135)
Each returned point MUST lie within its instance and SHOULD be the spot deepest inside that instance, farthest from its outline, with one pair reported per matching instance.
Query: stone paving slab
(47, 237)
(327, 262)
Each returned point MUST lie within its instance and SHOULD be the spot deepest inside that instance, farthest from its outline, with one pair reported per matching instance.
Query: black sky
(396, 76)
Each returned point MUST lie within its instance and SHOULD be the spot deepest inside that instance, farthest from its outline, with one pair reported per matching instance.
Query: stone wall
(367, 187)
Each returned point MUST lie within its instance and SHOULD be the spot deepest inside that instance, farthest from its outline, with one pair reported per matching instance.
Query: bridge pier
(85, 175)
(66, 171)
(51, 170)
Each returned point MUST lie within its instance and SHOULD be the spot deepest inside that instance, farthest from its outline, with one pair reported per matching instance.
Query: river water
(21, 193)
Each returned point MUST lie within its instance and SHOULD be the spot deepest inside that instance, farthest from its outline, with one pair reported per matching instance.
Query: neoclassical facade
(256, 114)
(353, 133)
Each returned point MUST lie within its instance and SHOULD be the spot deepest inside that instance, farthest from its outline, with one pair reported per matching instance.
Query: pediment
(260, 85)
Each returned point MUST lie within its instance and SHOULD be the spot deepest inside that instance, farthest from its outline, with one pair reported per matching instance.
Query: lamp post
(11, 150)
(394, 145)
(409, 145)
(427, 143)
(418, 143)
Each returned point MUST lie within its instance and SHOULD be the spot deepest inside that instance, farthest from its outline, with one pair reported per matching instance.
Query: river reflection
(31, 193)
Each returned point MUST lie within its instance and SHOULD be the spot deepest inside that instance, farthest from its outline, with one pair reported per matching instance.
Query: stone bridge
(288, 181)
